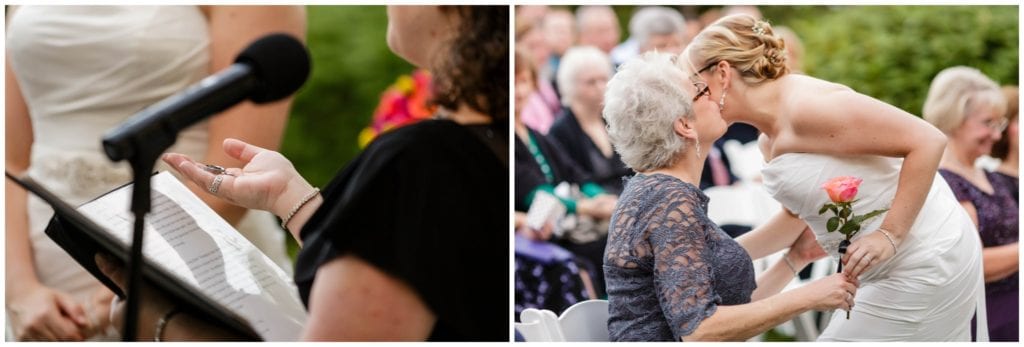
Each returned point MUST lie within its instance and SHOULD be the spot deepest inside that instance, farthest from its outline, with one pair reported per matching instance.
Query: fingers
(112, 268)
(56, 323)
(240, 150)
(39, 333)
(71, 309)
(854, 263)
(197, 173)
(62, 328)
(846, 292)
(174, 160)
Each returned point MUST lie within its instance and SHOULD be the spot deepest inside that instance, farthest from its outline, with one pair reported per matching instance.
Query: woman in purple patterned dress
(969, 108)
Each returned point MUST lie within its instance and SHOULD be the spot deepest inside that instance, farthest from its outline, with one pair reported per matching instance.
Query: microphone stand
(142, 159)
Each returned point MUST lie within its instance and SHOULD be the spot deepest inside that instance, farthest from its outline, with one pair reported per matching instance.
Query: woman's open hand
(268, 181)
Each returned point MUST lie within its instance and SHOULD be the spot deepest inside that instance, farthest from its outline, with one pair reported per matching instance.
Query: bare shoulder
(808, 93)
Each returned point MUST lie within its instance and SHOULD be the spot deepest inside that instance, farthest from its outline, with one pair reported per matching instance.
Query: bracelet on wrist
(298, 206)
(889, 237)
(161, 324)
(789, 263)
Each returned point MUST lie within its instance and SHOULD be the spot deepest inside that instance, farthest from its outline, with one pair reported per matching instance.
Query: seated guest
(546, 276)
(581, 130)
(542, 107)
(969, 108)
(671, 273)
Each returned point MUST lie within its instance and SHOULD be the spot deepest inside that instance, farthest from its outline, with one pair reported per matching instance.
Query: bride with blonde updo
(920, 262)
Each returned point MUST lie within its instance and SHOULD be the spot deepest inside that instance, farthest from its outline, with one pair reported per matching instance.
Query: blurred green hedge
(893, 52)
(352, 66)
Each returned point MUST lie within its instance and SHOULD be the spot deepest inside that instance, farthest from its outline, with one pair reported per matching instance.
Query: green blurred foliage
(352, 66)
(893, 52)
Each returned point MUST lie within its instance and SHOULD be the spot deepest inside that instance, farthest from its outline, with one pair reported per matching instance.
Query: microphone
(270, 69)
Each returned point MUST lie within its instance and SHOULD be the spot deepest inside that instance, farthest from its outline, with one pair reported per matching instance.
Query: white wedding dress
(930, 289)
(84, 70)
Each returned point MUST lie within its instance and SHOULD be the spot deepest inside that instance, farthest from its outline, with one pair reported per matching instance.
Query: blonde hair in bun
(748, 44)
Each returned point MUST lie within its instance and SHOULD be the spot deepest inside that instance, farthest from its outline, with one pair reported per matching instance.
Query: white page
(187, 238)
(546, 208)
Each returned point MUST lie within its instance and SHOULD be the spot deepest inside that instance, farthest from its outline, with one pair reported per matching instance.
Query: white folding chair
(539, 326)
(585, 321)
(745, 160)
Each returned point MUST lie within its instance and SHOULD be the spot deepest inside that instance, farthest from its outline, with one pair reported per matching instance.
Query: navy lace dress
(667, 266)
(998, 221)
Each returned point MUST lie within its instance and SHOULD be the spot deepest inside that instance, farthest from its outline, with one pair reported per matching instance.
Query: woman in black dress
(407, 242)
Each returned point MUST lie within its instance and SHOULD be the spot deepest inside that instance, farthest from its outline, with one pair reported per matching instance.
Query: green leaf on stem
(845, 212)
(833, 223)
(869, 215)
(824, 208)
(850, 228)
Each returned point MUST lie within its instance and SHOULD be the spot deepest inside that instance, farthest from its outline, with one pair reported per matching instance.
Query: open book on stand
(192, 255)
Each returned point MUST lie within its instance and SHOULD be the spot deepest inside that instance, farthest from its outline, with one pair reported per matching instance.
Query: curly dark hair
(475, 69)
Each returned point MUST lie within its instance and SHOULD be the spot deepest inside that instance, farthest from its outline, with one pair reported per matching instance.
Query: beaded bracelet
(298, 206)
(888, 237)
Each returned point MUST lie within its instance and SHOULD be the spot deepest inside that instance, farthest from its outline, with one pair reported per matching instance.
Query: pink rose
(842, 188)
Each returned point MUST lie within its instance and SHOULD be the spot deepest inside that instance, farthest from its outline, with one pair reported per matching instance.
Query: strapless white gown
(82, 71)
(927, 292)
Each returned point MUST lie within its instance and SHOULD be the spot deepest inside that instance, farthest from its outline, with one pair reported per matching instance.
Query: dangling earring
(696, 144)
(721, 101)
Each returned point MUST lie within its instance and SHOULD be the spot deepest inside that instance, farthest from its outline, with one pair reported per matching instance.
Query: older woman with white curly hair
(668, 267)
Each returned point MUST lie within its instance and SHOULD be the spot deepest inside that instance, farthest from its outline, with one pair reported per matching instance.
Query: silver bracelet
(298, 206)
(888, 237)
(162, 324)
(789, 263)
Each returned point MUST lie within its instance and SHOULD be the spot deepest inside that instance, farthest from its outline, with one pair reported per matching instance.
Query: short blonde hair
(748, 44)
(956, 92)
(641, 102)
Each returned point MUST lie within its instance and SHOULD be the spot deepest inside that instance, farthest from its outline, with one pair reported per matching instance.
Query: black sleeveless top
(428, 204)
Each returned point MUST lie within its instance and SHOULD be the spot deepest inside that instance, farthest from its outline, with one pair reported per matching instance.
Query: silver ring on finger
(215, 186)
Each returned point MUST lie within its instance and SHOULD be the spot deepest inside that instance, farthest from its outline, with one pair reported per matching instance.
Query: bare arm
(999, 261)
(37, 312)
(774, 280)
(741, 322)
(21, 273)
(232, 28)
(777, 233)
(354, 300)
(843, 122)
(803, 251)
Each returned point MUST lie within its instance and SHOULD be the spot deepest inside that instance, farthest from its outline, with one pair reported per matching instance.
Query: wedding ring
(216, 170)
(216, 183)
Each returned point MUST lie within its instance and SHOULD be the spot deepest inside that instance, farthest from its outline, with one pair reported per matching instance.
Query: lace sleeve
(682, 265)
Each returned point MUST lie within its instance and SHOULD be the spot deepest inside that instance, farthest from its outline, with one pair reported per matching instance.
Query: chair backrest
(731, 205)
(745, 160)
(539, 326)
(585, 321)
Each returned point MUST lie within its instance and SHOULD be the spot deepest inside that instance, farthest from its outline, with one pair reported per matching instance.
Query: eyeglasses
(997, 125)
(696, 75)
(702, 87)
